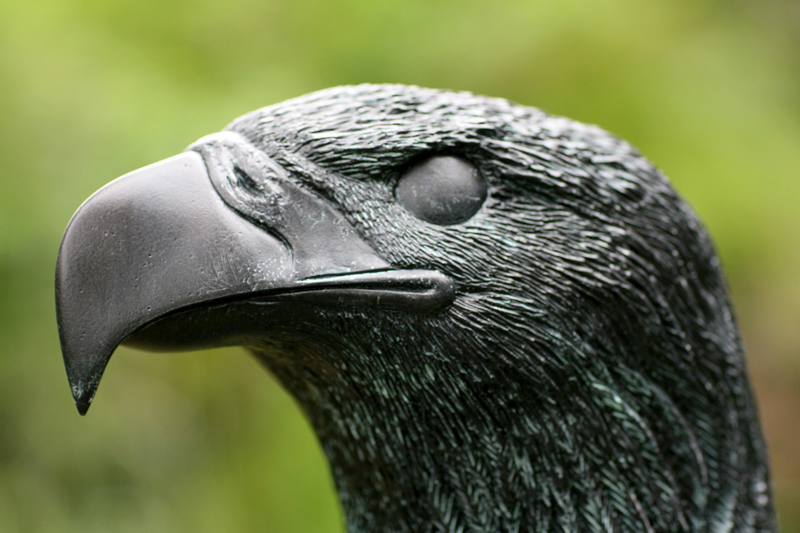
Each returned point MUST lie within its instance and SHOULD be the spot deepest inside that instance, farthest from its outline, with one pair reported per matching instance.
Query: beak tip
(83, 397)
(82, 407)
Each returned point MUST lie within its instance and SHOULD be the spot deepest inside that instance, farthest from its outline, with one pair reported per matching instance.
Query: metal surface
(495, 319)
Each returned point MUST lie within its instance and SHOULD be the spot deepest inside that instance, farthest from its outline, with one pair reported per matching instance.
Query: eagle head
(494, 318)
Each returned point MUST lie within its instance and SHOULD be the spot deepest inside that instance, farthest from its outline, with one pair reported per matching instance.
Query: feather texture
(589, 375)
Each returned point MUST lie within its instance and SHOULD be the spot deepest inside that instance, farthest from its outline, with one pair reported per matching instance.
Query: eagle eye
(442, 189)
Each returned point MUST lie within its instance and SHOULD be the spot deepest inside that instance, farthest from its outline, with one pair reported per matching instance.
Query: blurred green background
(208, 442)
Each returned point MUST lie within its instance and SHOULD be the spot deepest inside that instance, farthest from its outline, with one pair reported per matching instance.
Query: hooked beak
(161, 242)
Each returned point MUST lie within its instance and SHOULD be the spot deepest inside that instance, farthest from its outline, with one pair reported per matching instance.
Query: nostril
(246, 181)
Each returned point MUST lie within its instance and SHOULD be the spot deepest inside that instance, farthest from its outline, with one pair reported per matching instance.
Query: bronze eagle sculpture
(496, 320)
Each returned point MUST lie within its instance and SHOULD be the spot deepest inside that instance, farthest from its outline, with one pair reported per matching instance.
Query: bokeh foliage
(208, 442)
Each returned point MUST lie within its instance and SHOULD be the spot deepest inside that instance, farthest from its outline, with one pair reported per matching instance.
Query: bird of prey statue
(496, 320)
